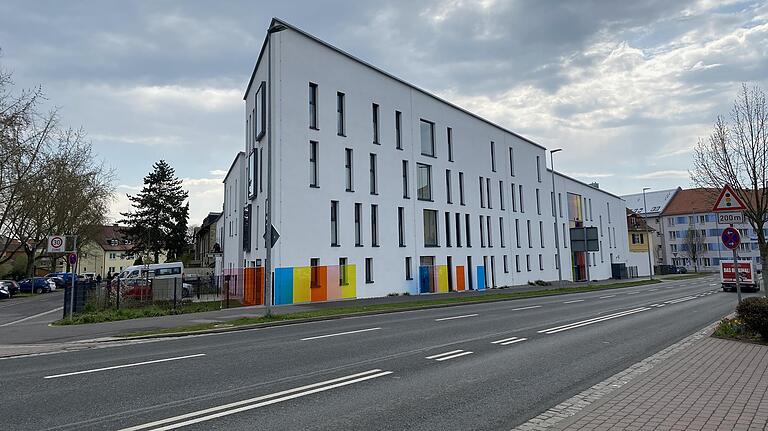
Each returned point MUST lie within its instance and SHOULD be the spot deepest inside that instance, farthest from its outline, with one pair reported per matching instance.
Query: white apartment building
(691, 210)
(380, 187)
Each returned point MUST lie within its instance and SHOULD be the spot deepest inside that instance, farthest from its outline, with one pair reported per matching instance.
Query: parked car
(66, 276)
(13, 287)
(4, 293)
(681, 270)
(42, 285)
(58, 281)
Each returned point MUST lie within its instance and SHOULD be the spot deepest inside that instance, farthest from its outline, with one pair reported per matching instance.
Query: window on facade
(538, 202)
(560, 204)
(448, 191)
(482, 193)
(461, 188)
(358, 224)
(528, 262)
(450, 144)
(520, 194)
(252, 173)
(517, 263)
(482, 231)
(514, 199)
(501, 232)
(334, 223)
(405, 179)
(430, 228)
(541, 233)
(313, 169)
(374, 225)
(530, 242)
(369, 270)
(401, 226)
(447, 229)
(398, 130)
(468, 229)
(506, 264)
(541, 263)
(312, 105)
(538, 168)
(488, 225)
(493, 156)
(340, 126)
(372, 172)
(637, 238)
(427, 138)
(458, 230)
(408, 273)
(424, 185)
(511, 161)
(375, 113)
(261, 168)
(488, 192)
(517, 232)
(501, 194)
(348, 169)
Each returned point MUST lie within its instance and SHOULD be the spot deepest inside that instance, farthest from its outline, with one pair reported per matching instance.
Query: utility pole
(648, 234)
(554, 216)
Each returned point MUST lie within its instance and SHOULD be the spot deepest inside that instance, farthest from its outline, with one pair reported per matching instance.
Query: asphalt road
(482, 366)
(25, 310)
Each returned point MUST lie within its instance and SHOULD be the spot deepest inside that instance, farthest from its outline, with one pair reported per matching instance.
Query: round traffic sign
(731, 238)
(72, 258)
(57, 241)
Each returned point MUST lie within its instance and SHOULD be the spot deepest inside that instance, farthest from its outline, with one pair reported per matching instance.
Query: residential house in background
(656, 202)
(641, 239)
(206, 241)
(692, 210)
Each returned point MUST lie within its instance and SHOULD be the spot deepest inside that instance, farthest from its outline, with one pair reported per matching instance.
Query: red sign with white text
(745, 272)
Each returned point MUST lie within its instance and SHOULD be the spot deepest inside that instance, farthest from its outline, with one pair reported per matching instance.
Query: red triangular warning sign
(728, 201)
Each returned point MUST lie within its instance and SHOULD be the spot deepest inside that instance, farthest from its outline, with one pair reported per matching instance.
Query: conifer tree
(158, 222)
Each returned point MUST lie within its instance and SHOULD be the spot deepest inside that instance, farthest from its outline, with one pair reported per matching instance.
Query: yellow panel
(301, 279)
(442, 278)
(350, 290)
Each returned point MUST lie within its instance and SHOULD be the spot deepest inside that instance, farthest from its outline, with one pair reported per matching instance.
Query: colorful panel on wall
(424, 279)
(301, 279)
(460, 278)
(480, 277)
(334, 283)
(319, 283)
(442, 278)
(349, 289)
(283, 286)
(307, 284)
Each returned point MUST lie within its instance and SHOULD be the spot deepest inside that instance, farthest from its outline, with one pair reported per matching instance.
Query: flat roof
(277, 21)
(560, 174)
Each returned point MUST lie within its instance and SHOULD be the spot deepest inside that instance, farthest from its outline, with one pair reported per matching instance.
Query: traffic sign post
(72, 259)
(729, 201)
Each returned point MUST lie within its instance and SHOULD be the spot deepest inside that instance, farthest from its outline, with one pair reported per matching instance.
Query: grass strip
(399, 306)
(111, 315)
(687, 276)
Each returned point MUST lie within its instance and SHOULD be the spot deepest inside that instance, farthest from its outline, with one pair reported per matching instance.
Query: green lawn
(98, 316)
(409, 305)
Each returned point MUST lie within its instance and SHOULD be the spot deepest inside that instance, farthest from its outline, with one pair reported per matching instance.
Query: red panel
(459, 278)
(318, 287)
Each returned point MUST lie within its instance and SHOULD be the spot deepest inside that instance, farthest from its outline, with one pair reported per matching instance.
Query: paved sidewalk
(713, 385)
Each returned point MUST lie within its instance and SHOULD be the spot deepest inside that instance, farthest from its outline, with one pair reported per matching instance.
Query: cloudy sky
(626, 88)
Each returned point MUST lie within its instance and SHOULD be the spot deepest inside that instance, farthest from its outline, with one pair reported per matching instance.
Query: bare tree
(694, 246)
(736, 153)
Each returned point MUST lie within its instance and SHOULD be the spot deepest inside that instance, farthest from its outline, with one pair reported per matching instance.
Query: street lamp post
(554, 216)
(648, 234)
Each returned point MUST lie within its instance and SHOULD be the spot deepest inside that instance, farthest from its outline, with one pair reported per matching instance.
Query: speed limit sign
(56, 244)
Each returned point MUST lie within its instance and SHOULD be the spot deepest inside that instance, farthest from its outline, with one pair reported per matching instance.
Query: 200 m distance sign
(731, 238)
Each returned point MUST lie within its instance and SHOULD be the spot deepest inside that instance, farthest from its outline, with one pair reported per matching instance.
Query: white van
(133, 277)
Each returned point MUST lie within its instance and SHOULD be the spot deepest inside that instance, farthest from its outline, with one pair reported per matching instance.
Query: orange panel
(259, 286)
(318, 288)
(249, 286)
(459, 278)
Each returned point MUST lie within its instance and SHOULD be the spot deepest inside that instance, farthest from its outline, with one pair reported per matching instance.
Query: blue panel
(283, 286)
(480, 277)
(423, 279)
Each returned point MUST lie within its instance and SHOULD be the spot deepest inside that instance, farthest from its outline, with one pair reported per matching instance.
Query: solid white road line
(33, 316)
(455, 317)
(633, 293)
(526, 308)
(513, 341)
(445, 358)
(606, 296)
(504, 340)
(248, 401)
(96, 370)
(573, 325)
(339, 333)
(653, 290)
(574, 301)
(268, 402)
(443, 354)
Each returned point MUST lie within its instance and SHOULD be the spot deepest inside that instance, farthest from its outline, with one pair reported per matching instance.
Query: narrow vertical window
(408, 274)
(430, 228)
(424, 186)
(358, 225)
(538, 202)
(447, 229)
(375, 111)
(565, 238)
(450, 144)
(493, 156)
(348, 169)
(374, 225)
(458, 230)
(501, 194)
(560, 204)
(343, 271)
(538, 167)
(312, 105)
(401, 226)
(501, 232)
(541, 263)
(468, 228)
(461, 188)
(374, 188)
(340, 120)
(517, 263)
(398, 130)
(511, 161)
(506, 264)
(482, 193)
(405, 179)
(482, 231)
(488, 192)
(528, 262)
(448, 186)
(427, 130)
(530, 241)
(369, 270)
(261, 169)
(541, 233)
(517, 232)
(520, 193)
(514, 199)
(313, 175)
(334, 223)
(488, 225)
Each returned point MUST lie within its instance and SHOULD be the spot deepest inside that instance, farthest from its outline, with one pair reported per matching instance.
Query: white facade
(469, 187)
(231, 218)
